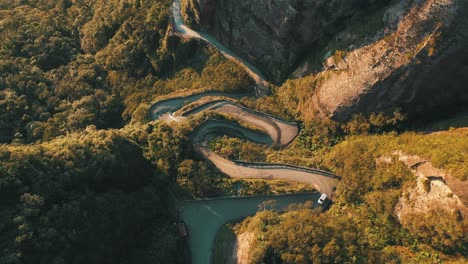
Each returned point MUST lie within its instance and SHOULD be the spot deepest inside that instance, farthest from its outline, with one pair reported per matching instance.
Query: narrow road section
(203, 220)
(263, 86)
(322, 182)
(277, 133)
(281, 132)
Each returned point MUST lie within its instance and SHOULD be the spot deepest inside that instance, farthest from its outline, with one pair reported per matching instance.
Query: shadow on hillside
(444, 122)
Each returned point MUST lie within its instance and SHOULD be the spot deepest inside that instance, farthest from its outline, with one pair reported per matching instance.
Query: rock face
(419, 66)
(413, 55)
(435, 188)
(273, 34)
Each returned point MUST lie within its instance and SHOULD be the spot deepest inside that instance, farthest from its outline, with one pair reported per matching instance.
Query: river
(203, 218)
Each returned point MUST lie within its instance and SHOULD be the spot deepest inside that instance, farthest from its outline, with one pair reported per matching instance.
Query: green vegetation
(269, 187)
(56, 63)
(447, 150)
(200, 180)
(86, 197)
(441, 229)
(362, 225)
(305, 236)
(209, 71)
(288, 101)
(63, 67)
(71, 189)
(238, 149)
(86, 178)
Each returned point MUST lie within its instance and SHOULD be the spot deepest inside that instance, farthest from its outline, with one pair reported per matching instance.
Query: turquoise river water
(203, 218)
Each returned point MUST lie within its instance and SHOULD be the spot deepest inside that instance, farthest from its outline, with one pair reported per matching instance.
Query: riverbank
(224, 243)
(203, 218)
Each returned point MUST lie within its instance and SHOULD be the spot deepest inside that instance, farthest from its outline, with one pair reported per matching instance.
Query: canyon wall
(420, 65)
(366, 56)
(274, 34)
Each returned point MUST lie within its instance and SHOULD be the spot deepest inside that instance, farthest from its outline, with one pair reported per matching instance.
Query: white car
(322, 198)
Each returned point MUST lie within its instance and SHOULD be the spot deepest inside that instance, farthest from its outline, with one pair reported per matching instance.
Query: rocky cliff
(419, 65)
(366, 55)
(273, 34)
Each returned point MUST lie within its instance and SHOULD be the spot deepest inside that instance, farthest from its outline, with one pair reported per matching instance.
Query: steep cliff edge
(366, 56)
(420, 66)
(275, 35)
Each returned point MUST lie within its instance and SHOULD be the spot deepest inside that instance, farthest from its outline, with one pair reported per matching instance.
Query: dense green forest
(68, 70)
(85, 177)
(69, 64)
(86, 198)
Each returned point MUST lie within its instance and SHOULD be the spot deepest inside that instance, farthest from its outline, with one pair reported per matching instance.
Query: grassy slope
(366, 197)
(445, 149)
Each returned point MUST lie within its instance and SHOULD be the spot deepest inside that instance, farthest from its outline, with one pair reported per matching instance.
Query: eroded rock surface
(274, 34)
(432, 191)
(413, 54)
(419, 66)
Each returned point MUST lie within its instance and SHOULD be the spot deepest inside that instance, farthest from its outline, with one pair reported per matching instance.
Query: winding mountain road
(204, 218)
(322, 181)
(263, 86)
(281, 132)
(276, 132)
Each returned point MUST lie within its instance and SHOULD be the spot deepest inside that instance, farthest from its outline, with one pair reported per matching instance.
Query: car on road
(322, 198)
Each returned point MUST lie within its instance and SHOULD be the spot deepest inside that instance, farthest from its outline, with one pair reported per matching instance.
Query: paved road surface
(278, 132)
(262, 87)
(325, 184)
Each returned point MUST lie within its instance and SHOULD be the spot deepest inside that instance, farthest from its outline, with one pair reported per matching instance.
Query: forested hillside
(86, 177)
(361, 226)
(69, 64)
(86, 198)
(71, 191)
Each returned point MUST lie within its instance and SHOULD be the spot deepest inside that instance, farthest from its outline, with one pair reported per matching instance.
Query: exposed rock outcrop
(274, 34)
(432, 191)
(413, 57)
(419, 66)
(432, 211)
(240, 250)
